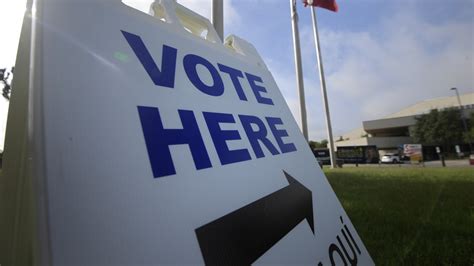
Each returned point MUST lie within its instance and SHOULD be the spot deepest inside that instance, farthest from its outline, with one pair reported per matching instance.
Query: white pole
(323, 88)
(299, 71)
(218, 17)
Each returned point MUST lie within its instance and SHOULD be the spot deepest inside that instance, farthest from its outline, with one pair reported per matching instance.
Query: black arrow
(242, 236)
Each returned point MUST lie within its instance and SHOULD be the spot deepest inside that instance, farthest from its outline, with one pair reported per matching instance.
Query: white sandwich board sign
(151, 145)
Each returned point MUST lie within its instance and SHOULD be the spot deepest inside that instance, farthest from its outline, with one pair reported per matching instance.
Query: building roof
(425, 106)
(404, 117)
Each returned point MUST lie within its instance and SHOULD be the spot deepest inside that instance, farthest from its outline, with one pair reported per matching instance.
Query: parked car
(390, 158)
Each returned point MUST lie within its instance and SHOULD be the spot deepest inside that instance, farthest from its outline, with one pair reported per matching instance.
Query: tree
(314, 144)
(469, 136)
(443, 128)
(4, 75)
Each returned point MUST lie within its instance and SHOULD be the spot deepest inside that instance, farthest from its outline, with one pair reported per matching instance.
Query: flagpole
(218, 17)
(298, 67)
(323, 88)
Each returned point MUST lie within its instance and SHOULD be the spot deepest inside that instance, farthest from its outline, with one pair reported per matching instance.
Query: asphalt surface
(449, 163)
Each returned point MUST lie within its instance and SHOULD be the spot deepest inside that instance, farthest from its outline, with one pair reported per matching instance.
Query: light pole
(463, 119)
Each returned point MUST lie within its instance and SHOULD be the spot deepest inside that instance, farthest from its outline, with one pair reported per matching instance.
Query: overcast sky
(379, 56)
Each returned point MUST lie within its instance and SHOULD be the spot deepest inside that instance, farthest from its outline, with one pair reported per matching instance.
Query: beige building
(391, 132)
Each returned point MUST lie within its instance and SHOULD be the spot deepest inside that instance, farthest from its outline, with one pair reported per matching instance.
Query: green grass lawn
(410, 216)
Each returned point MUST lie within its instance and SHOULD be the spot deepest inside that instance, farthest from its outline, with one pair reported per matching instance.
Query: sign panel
(414, 151)
(161, 147)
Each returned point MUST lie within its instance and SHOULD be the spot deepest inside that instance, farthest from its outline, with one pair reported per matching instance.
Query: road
(449, 163)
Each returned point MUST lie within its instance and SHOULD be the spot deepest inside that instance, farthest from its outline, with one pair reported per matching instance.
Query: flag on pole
(327, 4)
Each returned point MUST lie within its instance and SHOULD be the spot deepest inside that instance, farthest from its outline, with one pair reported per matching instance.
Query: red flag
(328, 4)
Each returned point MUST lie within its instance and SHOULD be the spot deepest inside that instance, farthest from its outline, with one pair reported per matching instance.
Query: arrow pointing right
(242, 236)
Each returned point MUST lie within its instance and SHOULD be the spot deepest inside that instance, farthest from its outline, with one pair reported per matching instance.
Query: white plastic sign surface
(164, 148)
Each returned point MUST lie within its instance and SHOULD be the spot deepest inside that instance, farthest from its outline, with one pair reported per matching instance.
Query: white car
(390, 158)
